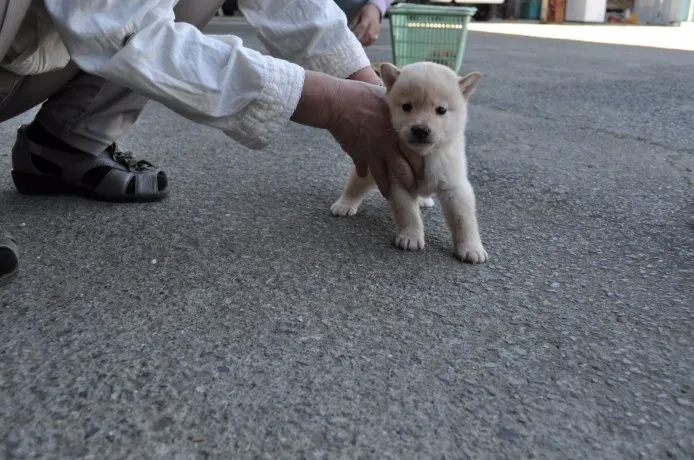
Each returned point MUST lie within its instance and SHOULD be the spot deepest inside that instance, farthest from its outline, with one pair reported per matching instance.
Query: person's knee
(29, 91)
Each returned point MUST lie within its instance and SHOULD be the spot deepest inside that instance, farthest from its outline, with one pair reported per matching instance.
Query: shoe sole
(33, 184)
(7, 279)
(7, 245)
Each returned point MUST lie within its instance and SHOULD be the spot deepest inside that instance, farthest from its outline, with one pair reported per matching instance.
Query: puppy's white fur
(428, 106)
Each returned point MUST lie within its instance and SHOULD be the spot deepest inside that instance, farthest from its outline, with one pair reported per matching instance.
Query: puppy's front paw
(471, 252)
(344, 208)
(409, 240)
(426, 202)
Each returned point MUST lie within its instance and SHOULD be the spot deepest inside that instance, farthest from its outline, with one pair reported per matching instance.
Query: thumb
(379, 171)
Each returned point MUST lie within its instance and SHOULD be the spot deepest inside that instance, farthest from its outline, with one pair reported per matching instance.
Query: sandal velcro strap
(128, 160)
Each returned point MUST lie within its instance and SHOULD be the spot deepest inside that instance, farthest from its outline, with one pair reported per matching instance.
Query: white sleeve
(311, 33)
(213, 80)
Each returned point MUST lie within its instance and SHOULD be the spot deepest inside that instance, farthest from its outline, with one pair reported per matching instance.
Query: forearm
(315, 107)
(211, 80)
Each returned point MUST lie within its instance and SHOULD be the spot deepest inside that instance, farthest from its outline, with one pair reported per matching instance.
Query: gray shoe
(9, 258)
(110, 176)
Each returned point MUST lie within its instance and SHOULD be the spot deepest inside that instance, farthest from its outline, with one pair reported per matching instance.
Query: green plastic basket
(429, 33)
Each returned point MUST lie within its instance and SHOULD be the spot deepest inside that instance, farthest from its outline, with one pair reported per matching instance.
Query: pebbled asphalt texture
(238, 319)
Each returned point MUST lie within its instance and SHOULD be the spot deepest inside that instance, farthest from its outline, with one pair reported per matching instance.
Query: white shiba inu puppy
(428, 107)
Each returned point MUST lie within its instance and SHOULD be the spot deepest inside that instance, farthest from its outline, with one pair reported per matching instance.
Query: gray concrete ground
(268, 329)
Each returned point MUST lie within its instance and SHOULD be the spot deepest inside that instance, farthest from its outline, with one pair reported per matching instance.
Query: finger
(373, 31)
(369, 35)
(355, 21)
(369, 39)
(415, 162)
(402, 171)
(417, 165)
(362, 168)
(360, 30)
(379, 171)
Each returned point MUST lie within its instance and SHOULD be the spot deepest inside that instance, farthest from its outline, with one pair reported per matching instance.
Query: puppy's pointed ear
(468, 84)
(389, 73)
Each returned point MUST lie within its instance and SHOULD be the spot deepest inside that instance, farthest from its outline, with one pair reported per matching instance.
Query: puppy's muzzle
(420, 134)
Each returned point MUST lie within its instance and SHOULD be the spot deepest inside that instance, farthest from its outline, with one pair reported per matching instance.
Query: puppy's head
(428, 103)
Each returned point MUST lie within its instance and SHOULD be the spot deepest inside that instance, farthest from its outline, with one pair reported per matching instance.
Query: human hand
(357, 115)
(366, 25)
(361, 125)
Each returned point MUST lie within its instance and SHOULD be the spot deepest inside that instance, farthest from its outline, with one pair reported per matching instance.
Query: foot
(43, 164)
(344, 208)
(427, 202)
(9, 258)
(409, 240)
(473, 253)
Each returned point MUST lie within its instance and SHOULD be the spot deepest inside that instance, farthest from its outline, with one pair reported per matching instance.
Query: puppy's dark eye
(407, 107)
(441, 110)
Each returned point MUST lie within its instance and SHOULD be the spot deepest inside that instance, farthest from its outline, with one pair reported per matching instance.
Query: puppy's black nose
(420, 131)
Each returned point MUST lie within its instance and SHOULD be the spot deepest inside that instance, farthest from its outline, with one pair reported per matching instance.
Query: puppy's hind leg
(459, 210)
(426, 202)
(356, 190)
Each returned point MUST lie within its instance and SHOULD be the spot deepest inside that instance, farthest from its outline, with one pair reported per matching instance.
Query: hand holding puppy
(363, 128)
(357, 116)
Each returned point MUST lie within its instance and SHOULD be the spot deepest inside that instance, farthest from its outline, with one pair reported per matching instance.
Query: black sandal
(9, 258)
(110, 176)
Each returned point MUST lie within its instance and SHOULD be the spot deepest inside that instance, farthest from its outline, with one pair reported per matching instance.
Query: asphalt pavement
(239, 319)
